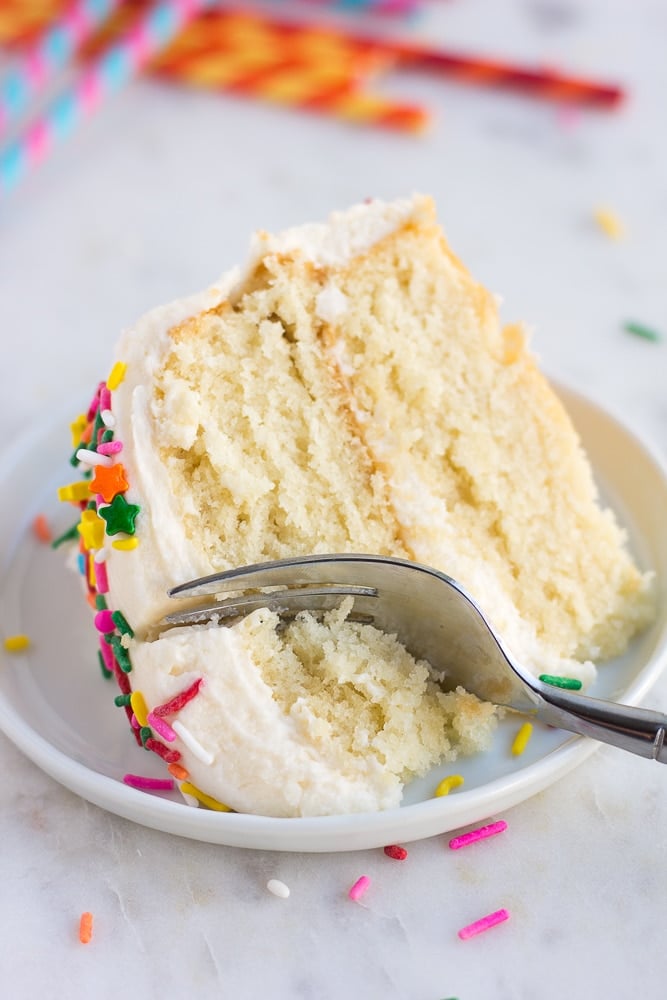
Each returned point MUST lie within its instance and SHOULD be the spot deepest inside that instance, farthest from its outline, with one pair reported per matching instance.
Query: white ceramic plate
(56, 708)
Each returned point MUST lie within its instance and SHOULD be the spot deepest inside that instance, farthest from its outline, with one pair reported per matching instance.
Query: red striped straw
(111, 71)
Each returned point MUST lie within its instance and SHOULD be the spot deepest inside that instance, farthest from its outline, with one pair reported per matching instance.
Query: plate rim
(320, 834)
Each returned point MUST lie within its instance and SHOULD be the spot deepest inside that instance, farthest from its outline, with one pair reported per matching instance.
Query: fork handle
(639, 730)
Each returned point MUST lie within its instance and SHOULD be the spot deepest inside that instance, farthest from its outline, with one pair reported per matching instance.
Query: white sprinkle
(108, 418)
(278, 888)
(190, 800)
(89, 457)
(203, 755)
(100, 555)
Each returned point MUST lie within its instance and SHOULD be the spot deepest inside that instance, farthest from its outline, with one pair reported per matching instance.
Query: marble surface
(150, 201)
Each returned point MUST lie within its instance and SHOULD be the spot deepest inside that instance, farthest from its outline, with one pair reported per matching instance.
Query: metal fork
(436, 620)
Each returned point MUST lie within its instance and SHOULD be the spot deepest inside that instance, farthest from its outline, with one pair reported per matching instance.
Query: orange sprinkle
(86, 928)
(178, 772)
(87, 433)
(41, 530)
(90, 597)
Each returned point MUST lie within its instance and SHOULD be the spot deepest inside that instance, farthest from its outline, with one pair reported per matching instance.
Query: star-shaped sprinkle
(91, 529)
(109, 481)
(120, 515)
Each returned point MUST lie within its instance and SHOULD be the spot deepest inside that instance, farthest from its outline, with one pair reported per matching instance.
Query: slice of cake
(351, 390)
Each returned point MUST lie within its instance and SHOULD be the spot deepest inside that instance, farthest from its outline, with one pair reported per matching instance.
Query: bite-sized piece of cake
(351, 391)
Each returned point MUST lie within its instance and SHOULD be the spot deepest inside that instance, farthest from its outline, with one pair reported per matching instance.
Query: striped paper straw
(51, 52)
(108, 74)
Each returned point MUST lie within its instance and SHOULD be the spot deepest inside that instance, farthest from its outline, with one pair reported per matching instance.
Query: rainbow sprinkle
(278, 888)
(447, 784)
(640, 330)
(207, 800)
(568, 683)
(16, 643)
(360, 887)
(521, 739)
(483, 924)
(149, 784)
(481, 833)
(86, 928)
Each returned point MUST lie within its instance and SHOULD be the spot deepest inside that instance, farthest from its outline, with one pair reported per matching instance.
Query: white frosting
(261, 760)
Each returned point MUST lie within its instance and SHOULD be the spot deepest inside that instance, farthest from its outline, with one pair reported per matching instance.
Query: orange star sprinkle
(108, 482)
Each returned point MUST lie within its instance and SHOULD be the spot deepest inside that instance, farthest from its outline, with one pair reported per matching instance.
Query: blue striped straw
(50, 54)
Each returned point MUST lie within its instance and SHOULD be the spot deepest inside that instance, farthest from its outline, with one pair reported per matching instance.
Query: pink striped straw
(107, 74)
(49, 54)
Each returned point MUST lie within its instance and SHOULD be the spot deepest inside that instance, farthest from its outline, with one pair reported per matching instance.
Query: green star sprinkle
(120, 515)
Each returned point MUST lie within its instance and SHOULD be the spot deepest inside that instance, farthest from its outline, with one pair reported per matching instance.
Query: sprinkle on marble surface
(359, 888)
(483, 924)
(481, 833)
(41, 529)
(609, 222)
(396, 852)
(447, 784)
(278, 888)
(643, 331)
(16, 643)
(86, 927)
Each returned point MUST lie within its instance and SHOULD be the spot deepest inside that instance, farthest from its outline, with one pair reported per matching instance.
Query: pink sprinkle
(484, 924)
(149, 784)
(105, 398)
(359, 888)
(481, 833)
(104, 622)
(110, 447)
(107, 655)
(134, 722)
(161, 727)
(95, 402)
(101, 578)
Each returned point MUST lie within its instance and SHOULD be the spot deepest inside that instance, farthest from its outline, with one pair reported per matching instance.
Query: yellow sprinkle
(77, 428)
(75, 491)
(609, 223)
(447, 784)
(116, 375)
(92, 579)
(91, 528)
(16, 643)
(521, 739)
(205, 799)
(125, 544)
(139, 707)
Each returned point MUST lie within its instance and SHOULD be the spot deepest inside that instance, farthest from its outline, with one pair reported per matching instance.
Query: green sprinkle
(570, 683)
(67, 536)
(91, 505)
(145, 733)
(121, 654)
(122, 699)
(122, 623)
(106, 437)
(101, 602)
(105, 673)
(99, 423)
(645, 332)
(74, 460)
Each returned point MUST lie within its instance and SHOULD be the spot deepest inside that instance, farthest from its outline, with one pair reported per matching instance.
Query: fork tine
(318, 569)
(284, 602)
